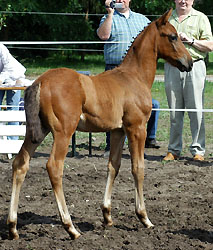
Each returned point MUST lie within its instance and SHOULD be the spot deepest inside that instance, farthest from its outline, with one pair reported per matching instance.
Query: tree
(49, 27)
(152, 7)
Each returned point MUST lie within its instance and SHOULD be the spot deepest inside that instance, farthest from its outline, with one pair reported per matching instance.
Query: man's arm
(4, 54)
(202, 45)
(104, 30)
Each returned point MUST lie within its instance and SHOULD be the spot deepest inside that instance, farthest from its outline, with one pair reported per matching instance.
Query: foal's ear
(164, 18)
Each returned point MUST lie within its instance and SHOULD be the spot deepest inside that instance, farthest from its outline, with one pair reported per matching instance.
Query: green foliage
(205, 6)
(51, 27)
(47, 27)
(3, 17)
(152, 7)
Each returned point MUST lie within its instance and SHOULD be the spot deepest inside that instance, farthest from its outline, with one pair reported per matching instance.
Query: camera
(115, 5)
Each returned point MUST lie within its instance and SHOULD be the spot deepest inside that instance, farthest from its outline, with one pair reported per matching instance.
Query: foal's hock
(61, 101)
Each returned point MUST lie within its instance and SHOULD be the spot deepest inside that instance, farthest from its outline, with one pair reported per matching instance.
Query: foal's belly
(88, 123)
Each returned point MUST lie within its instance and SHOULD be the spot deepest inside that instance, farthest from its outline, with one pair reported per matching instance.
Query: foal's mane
(138, 40)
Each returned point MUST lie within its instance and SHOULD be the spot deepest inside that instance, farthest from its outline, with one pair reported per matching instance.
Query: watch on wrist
(192, 42)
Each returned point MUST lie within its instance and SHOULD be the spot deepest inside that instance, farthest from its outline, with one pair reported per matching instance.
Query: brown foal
(61, 101)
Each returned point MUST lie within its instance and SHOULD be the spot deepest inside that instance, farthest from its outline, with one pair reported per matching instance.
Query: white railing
(8, 146)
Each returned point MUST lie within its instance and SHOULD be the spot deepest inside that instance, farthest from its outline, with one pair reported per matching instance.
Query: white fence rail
(11, 146)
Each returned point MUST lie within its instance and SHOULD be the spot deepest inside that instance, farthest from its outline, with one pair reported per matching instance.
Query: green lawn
(36, 66)
(94, 63)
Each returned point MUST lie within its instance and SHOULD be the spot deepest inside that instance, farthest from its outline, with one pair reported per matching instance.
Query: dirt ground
(178, 198)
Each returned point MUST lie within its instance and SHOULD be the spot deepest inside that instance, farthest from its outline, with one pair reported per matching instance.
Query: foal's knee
(113, 169)
(138, 172)
(20, 167)
(21, 159)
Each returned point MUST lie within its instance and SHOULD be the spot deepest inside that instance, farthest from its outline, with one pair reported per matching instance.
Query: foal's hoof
(147, 223)
(13, 233)
(107, 216)
(108, 223)
(150, 225)
(75, 236)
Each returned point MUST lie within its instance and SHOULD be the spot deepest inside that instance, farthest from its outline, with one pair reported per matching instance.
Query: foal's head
(169, 45)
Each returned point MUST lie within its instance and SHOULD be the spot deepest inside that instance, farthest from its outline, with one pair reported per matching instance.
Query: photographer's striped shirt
(123, 30)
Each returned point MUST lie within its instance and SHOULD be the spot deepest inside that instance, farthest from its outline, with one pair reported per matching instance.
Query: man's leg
(107, 141)
(194, 95)
(152, 126)
(2, 92)
(13, 98)
(173, 85)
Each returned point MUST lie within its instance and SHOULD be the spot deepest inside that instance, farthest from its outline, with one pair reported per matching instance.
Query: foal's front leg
(116, 147)
(137, 140)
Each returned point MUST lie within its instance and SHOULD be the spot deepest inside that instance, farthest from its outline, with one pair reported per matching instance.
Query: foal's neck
(141, 59)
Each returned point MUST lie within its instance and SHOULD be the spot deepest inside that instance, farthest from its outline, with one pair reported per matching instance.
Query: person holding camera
(121, 25)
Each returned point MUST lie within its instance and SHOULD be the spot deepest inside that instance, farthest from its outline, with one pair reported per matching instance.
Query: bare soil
(179, 200)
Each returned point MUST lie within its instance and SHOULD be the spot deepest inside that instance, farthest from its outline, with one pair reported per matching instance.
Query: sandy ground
(179, 199)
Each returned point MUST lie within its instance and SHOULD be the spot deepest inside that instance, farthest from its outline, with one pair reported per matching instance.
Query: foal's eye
(172, 38)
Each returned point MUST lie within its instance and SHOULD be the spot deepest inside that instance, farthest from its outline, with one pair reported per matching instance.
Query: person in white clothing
(12, 73)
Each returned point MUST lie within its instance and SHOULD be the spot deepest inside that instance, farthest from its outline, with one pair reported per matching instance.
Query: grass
(93, 63)
(36, 66)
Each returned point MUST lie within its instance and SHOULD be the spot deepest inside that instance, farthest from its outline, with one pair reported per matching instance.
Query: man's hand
(185, 38)
(109, 9)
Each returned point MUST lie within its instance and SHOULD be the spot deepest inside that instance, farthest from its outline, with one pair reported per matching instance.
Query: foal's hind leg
(55, 167)
(20, 168)
(116, 146)
(137, 137)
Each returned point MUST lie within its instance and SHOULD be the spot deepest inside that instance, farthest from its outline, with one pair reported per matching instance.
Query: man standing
(186, 89)
(119, 27)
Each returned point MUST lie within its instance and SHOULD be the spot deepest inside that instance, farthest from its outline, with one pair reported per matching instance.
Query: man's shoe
(170, 157)
(198, 158)
(151, 143)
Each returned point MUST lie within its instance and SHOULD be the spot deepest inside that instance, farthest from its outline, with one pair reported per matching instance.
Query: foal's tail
(32, 109)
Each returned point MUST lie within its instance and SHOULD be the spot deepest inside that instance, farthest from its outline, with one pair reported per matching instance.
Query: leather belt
(197, 60)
